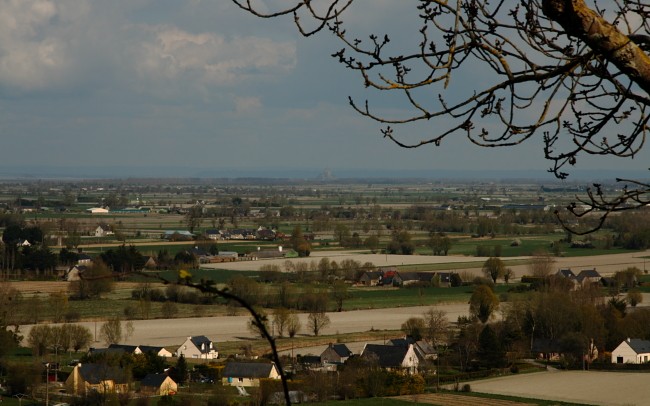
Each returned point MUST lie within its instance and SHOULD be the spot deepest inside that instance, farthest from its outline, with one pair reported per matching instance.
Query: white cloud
(210, 58)
(88, 45)
(29, 57)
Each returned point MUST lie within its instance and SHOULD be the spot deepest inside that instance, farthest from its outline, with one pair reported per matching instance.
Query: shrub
(130, 312)
(72, 316)
(466, 388)
(169, 310)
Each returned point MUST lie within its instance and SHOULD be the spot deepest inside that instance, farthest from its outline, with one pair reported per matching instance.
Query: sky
(202, 88)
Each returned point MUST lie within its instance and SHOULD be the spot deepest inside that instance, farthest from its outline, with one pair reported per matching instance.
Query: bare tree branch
(567, 71)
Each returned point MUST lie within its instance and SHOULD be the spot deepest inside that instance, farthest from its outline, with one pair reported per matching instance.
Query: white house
(248, 373)
(632, 351)
(197, 347)
(103, 230)
(73, 273)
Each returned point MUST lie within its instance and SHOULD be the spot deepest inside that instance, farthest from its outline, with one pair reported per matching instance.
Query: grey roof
(148, 348)
(341, 350)
(115, 350)
(372, 274)
(402, 342)
(387, 355)
(97, 373)
(425, 348)
(589, 273)
(153, 380)
(567, 273)
(126, 348)
(247, 370)
(417, 276)
(198, 340)
(639, 346)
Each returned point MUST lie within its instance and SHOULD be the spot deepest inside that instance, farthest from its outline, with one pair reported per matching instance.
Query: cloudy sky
(200, 86)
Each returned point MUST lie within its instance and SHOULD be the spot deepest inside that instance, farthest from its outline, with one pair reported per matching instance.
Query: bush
(466, 388)
(130, 312)
(72, 316)
(169, 310)
(157, 295)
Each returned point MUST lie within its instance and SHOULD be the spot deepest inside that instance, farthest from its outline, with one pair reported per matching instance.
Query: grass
(371, 298)
(528, 246)
(217, 275)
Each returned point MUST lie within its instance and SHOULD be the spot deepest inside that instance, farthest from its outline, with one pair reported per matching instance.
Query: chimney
(628, 339)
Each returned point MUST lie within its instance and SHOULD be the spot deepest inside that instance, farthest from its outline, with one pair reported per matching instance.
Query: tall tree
(571, 71)
(94, 281)
(111, 332)
(299, 243)
(494, 268)
(490, 350)
(541, 264)
(317, 321)
(414, 327)
(483, 303)
(293, 324)
(339, 293)
(436, 326)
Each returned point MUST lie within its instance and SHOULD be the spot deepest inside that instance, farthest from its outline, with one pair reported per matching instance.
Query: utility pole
(47, 384)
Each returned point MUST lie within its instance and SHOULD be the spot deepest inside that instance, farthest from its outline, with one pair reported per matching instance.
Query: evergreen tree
(490, 351)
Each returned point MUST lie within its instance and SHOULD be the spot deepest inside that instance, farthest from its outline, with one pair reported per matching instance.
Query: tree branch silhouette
(568, 72)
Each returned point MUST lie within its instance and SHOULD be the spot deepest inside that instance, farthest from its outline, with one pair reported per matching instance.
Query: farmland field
(594, 388)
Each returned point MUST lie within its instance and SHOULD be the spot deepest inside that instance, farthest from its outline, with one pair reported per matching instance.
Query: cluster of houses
(260, 233)
(403, 355)
(102, 378)
(583, 278)
(390, 276)
(194, 347)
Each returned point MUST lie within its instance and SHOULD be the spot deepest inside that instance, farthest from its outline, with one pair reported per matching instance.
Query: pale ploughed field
(605, 264)
(588, 387)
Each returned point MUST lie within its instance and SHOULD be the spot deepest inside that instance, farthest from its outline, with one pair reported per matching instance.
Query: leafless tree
(281, 320)
(436, 326)
(293, 324)
(112, 333)
(80, 337)
(317, 321)
(572, 72)
(541, 265)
